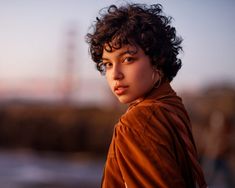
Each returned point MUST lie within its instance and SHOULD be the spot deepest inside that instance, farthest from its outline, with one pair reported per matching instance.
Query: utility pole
(70, 53)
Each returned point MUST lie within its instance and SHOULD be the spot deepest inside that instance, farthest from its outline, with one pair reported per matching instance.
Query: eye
(107, 65)
(128, 60)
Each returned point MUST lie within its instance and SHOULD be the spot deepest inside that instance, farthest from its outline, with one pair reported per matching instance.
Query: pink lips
(120, 89)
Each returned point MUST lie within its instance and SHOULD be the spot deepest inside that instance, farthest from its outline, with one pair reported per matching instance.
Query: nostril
(118, 75)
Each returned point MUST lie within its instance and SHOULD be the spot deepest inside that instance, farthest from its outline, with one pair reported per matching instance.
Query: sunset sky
(33, 39)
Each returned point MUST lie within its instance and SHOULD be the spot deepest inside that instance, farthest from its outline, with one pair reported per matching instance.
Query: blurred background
(57, 113)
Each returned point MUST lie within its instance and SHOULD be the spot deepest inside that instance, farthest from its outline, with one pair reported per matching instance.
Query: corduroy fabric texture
(153, 146)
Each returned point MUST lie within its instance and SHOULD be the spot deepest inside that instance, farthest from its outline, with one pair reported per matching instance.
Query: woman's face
(128, 72)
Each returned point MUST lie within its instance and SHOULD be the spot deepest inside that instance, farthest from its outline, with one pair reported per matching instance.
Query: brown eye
(107, 65)
(128, 60)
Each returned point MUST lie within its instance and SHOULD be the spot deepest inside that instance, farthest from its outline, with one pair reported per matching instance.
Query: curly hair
(137, 24)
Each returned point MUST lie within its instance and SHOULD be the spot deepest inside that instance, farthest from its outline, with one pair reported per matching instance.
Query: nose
(117, 73)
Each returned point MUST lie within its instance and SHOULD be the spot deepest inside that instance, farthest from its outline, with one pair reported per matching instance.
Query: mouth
(120, 89)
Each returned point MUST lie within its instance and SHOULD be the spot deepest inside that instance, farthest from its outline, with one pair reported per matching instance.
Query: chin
(125, 100)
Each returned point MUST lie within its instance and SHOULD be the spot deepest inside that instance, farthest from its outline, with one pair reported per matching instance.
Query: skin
(129, 73)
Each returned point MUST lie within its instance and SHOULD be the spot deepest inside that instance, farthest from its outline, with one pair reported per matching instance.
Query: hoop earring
(153, 76)
(158, 83)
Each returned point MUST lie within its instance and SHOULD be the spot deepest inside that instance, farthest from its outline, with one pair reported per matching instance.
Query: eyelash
(105, 64)
(127, 59)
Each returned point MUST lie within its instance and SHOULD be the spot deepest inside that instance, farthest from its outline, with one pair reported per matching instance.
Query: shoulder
(144, 112)
(149, 118)
(145, 127)
(154, 119)
(137, 116)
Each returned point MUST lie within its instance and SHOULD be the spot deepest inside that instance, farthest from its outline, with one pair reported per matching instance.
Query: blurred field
(56, 127)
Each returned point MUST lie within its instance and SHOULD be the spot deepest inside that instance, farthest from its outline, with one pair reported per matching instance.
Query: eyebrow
(123, 53)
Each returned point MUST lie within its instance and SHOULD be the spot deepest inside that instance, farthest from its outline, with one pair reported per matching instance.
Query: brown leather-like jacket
(153, 146)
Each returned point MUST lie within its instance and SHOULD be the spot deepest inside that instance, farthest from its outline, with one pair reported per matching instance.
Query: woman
(152, 146)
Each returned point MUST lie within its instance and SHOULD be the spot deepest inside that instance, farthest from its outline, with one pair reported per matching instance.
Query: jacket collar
(163, 91)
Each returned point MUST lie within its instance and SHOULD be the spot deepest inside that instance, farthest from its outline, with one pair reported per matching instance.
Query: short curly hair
(137, 24)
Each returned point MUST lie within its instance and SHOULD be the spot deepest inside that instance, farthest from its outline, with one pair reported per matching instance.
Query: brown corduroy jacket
(153, 146)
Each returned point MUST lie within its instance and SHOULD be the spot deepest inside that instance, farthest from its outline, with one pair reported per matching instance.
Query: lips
(120, 89)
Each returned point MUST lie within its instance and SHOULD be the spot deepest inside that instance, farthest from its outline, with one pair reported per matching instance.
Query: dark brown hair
(137, 24)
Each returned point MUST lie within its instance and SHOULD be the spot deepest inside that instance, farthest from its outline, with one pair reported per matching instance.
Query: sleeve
(112, 176)
(142, 162)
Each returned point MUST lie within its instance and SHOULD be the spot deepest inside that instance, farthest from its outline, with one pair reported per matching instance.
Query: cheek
(142, 74)
(108, 79)
(143, 81)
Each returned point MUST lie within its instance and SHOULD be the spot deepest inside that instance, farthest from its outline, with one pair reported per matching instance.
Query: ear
(158, 62)
(158, 72)
(155, 69)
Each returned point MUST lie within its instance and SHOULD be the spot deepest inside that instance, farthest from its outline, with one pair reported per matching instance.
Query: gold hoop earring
(155, 69)
(153, 76)
(158, 83)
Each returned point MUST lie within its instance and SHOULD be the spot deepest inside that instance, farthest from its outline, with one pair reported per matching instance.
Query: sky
(33, 40)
